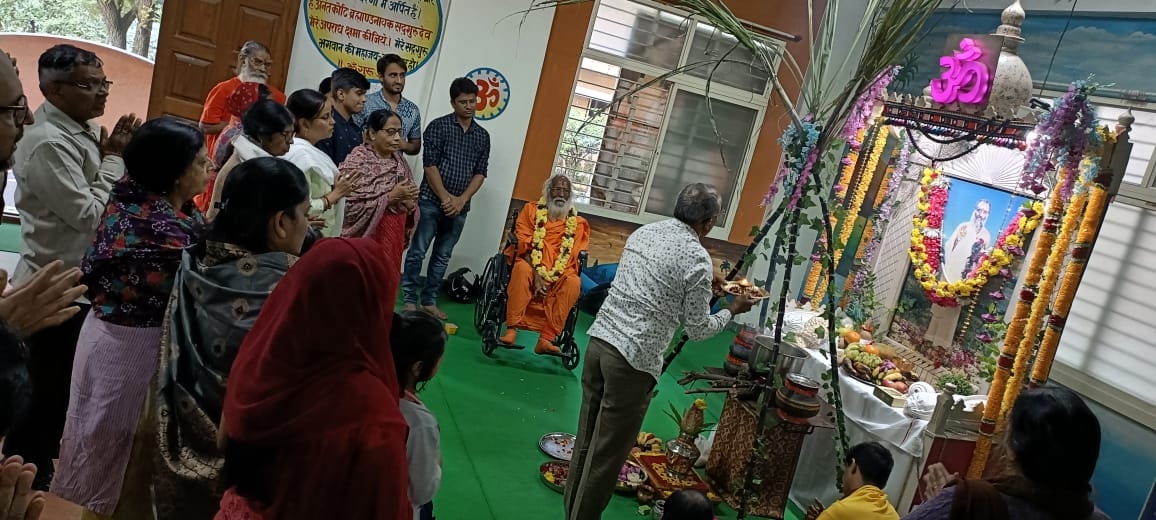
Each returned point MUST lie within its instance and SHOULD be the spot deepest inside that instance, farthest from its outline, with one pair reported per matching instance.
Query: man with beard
(550, 236)
(65, 168)
(253, 63)
(391, 68)
(958, 249)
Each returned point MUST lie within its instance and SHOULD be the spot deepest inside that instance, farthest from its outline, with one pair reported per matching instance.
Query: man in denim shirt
(456, 159)
(391, 69)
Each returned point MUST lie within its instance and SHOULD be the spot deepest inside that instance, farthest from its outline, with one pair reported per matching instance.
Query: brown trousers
(615, 397)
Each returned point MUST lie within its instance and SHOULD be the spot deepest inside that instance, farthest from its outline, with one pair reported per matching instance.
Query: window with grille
(636, 132)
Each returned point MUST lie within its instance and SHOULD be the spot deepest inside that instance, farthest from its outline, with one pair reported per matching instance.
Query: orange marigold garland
(1015, 334)
(1089, 228)
(1051, 276)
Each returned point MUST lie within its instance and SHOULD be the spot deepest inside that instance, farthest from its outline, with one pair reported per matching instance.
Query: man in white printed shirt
(665, 279)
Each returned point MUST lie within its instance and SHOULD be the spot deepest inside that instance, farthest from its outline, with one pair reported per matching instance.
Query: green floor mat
(10, 238)
(493, 410)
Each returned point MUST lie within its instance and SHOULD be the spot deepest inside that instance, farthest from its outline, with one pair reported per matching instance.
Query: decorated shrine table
(868, 419)
(730, 455)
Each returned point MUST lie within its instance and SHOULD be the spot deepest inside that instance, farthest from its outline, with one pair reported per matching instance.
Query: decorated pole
(1064, 135)
(1113, 162)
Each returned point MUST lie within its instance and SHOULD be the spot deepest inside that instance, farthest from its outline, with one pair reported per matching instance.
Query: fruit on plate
(870, 366)
(898, 385)
(649, 442)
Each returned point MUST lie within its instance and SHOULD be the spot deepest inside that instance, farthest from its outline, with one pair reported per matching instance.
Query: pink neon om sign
(966, 79)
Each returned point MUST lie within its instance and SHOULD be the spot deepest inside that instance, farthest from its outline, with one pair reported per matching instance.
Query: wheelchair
(490, 307)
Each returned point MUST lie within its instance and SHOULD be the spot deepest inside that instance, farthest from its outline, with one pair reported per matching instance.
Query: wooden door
(198, 44)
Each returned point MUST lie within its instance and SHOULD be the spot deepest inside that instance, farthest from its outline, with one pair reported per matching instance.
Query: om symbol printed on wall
(967, 78)
(493, 92)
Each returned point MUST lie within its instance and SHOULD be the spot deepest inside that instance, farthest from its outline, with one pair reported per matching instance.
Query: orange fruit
(850, 337)
(870, 349)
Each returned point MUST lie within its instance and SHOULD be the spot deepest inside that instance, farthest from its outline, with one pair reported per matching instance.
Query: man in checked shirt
(456, 158)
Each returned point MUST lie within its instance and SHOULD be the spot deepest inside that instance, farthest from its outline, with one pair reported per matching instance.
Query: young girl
(418, 341)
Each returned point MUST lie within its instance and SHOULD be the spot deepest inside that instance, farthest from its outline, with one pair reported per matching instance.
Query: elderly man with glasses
(65, 167)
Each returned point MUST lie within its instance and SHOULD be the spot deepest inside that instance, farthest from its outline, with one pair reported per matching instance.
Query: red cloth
(393, 233)
(315, 382)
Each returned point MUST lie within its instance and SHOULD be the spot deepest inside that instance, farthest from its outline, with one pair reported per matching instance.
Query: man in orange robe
(253, 64)
(530, 282)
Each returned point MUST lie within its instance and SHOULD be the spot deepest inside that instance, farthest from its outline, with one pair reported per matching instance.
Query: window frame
(684, 81)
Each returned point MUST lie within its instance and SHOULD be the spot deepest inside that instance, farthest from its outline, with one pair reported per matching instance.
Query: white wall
(476, 33)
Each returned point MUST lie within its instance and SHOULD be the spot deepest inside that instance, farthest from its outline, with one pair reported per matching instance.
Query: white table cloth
(867, 419)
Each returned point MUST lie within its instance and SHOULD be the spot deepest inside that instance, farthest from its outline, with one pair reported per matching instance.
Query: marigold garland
(1097, 200)
(847, 172)
(1043, 298)
(1089, 227)
(536, 255)
(854, 206)
(927, 244)
(1014, 337)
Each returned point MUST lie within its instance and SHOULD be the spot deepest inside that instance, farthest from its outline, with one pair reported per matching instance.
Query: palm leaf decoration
(887, 33)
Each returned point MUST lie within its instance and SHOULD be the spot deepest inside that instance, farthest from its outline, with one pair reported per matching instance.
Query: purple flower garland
(1062, 137)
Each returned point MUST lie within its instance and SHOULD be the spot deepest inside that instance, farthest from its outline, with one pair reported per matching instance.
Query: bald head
(12, 120)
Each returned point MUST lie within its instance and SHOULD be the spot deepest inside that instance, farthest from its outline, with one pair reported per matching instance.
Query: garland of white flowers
(543, 216)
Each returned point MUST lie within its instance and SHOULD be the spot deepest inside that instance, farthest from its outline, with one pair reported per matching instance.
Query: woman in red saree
(312, 420)
(383, 204)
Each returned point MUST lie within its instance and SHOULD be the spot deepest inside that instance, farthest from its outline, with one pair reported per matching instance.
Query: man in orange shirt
(550, 236)
(868, 468)
(253, 63)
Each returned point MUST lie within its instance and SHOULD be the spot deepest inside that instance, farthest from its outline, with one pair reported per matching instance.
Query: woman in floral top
(129, 270)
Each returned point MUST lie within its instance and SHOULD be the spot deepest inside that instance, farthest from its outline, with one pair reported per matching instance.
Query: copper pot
(798, 397)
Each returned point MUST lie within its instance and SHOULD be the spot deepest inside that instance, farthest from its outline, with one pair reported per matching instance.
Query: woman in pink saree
(383, 204)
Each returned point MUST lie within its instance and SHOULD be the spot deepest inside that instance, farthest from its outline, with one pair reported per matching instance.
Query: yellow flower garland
(563, 260)
(999, 258)
(854, 206)
(816, 271)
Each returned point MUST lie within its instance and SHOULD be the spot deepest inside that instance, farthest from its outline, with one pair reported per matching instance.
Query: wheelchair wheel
(570, 358)
(487, 299)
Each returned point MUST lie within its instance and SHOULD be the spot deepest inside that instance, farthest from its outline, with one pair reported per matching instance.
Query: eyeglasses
(391, 131)
(104, 85)
(19, 111)
(259, 63)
